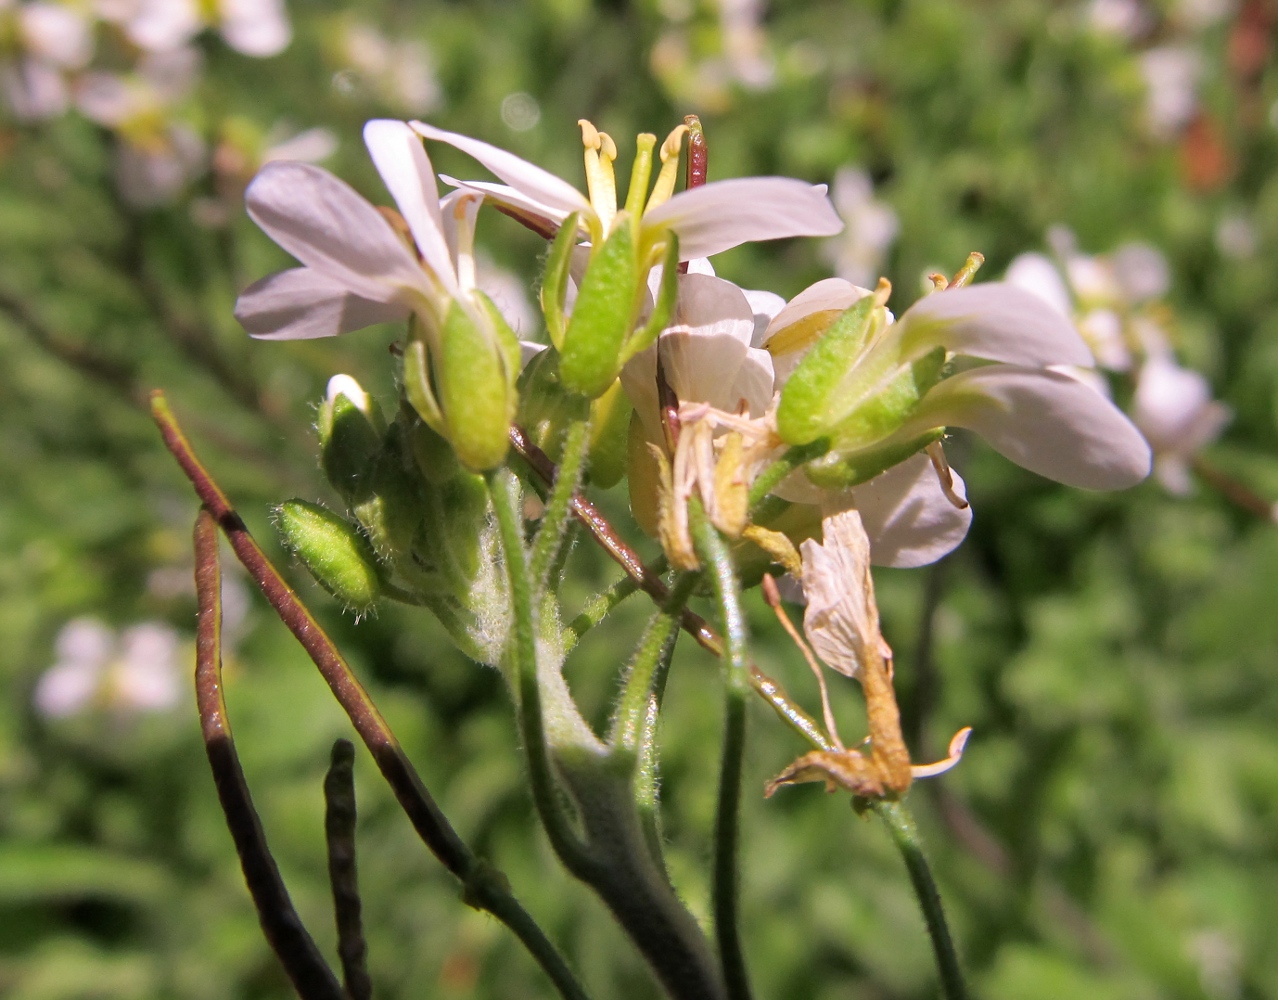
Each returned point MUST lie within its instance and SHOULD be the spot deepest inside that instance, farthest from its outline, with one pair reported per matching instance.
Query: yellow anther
(664, 187)
(882, 292)
(601, 182)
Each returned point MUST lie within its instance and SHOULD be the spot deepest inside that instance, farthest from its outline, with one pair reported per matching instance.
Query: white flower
(401, 72)
(1171, 74)
(358, 270)
(707, 219)
(157, 155)
(857, 253)
(137, 671)
(1041, 419)
(51, 41)
(258, 28)
(709, 356)
(1174, 408)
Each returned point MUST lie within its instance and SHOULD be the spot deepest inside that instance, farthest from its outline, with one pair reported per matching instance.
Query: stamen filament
(957, 745)
(943, 474)
(773, 597)
(465, 244)
(640, 173)
(664, 187)
(601, 181)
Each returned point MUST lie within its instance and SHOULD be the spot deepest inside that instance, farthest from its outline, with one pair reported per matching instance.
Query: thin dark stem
(339, 835)
(1231, 489)
(483, 887)
(905, 836)
(288, 938)
(714, 554)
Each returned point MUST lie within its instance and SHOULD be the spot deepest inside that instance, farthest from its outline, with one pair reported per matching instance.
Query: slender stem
(482, 887)
(905, 836)
(771, 477)
(714, 553)
(504, 489)
(554, 521)
(600, 606)
(288, 938)
(339, 836)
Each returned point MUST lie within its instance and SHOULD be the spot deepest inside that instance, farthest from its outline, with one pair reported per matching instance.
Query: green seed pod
(475, 383)
(333, 550)
(839, 470)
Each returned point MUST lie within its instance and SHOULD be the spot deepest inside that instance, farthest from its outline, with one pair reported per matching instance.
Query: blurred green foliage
(1113, 830)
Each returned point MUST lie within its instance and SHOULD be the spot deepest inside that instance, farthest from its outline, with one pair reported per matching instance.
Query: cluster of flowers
(57, 56)
(632, 306)
(1115, 302)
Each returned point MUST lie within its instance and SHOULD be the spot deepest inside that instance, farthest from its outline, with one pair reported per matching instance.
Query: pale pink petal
(805, 318)
(1045, 421)
(508, 197)
(765, 305)
(302, 304)
(1173, 406)
(540, 186)
(997, 322)
(401, 159)
(907, 516)
(160, 25)
(258, 28)
(328, 226)
(725, 214)
(59, 34)
(1036, 273)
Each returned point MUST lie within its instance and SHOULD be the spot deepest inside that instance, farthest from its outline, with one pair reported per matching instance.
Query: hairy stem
(483, 887)
(714, 553)
(554, 521)
(905, 836)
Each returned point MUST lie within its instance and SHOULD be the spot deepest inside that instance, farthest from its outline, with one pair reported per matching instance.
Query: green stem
(714, 553)
(504, 489)
(771, 477)
(905, 836)
(599, 607)
(554, 521)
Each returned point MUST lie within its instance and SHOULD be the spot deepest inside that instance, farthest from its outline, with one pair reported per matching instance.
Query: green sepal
(814, 398)
(839, 470)
(591, 356)
(546, 408)
(391, 510)
(663, 308)
(554, 280)
(350, 441)
(335, 553)
(434, 456)
(474, 386)
(418, 388)
(609, 430)
(883, 413)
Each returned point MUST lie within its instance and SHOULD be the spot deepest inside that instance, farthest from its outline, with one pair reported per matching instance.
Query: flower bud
(603, 315)
(351, 428)
(461, 380)
(333, 550)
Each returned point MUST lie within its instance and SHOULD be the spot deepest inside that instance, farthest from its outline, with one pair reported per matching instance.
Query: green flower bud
(333, 550)
(351, 427)
(545, 406)
(603, 315)
(461, 381)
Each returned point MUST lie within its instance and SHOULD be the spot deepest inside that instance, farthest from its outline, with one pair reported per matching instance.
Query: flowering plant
(802, 439)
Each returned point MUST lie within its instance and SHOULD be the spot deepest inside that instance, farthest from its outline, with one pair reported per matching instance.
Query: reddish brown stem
(284, 931)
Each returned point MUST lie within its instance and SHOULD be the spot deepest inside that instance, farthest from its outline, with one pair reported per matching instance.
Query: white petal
(401, 159)
(258, 28)
(507, 197)
(907, 516)
(311, 146)
(160, 25)
(1173, 406)
(766, 306)
(59, 34)
(796, 327)
(1036, 273)
(541, 186)
(998, 322)
(328, 226)
(725, 214)
(1045, 421)
(302, 304)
